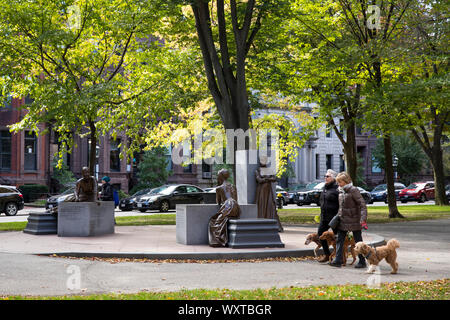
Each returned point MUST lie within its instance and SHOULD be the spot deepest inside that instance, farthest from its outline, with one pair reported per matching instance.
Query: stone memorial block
(192, 221)
(84, 219)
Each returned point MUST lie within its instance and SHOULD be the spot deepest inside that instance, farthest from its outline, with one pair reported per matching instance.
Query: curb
(376, 242)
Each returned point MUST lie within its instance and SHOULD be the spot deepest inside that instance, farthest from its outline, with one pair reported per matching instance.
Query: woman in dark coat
(329, 207)
(353, 213)
(226, 197)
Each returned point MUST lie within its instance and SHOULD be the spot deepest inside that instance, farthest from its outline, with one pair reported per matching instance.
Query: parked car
(418, 191)
(311, 194)
(128, 204)
(11, 200)
(447, 191)
(53, 201)
(168, 196)
(366, 195)
(379, 193)
(284, 194)
(293, 192)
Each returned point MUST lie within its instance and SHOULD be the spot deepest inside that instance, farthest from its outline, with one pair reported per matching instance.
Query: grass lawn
(378, 214)
(287, 216)
(421, 290)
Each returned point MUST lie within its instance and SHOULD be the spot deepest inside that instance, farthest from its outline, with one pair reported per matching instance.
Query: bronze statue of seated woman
(226, 197)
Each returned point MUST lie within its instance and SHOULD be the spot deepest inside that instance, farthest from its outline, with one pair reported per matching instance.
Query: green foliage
(32, 192)
(62, 173)
(92, 67)
(411, 158)
(360, 181)
(153, 169)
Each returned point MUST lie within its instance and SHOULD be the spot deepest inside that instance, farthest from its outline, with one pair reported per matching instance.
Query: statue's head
(222, 176)
(263, 161)
(85, 172)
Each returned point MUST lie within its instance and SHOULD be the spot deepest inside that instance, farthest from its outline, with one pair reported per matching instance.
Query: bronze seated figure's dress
(226, 197)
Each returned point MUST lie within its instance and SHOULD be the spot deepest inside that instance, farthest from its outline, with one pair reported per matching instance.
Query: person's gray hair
(332, 173)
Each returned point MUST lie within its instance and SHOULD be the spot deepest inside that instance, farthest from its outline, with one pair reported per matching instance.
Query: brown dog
(331, 239)
(374, 256)
(313, 237)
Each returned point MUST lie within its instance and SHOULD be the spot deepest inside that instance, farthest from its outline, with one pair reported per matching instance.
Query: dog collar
(370, 253)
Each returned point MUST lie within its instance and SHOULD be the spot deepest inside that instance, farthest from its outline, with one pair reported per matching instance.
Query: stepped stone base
(41, 223)
(253, 233)
(192, 221)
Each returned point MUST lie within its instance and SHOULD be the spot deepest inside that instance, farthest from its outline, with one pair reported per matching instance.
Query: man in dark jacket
(329, 207)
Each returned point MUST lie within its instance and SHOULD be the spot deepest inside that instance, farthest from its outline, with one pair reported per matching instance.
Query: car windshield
(319, 186)
(311, 185)
(68, 191)
(381, 187)
(144, 191)
(165, 190)
(415, 186)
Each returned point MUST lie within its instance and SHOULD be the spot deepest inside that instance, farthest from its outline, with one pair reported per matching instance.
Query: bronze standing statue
(265, 196)
(226, 197)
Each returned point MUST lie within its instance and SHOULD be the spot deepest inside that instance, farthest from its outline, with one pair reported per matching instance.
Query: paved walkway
(424, 255)
(153, 241)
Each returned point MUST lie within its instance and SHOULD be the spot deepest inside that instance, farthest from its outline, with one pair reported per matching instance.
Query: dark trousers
(323, 226)
(340, 244)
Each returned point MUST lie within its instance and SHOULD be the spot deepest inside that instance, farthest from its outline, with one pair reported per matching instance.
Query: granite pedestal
(253, 233)
(41, 223)
(246, 165)
(192, 221)
(84, 219)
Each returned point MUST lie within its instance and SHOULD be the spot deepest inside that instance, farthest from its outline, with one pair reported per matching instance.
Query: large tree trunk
(434, 152)
(228, 87)
(349, 144)
(389, 171)
(439, 178)
(351, 160)
(93, 150)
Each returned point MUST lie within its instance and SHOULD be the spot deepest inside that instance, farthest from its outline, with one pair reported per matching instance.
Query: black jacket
(107, 192)
(329, 202)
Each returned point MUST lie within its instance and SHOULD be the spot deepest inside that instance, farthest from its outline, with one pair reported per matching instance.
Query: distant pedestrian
(107, 190)
(329, 207)
(353, 216)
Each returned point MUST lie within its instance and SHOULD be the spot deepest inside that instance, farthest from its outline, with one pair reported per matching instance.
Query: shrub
(31, 192)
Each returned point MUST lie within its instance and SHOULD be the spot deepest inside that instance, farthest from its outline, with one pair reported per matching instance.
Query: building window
(328, 130)
(30, 151)
(188, 168)
(341, 163)
(317, 166)
(375, 167)
(5, 150)
(7, 103)
(168, 155)
(359, 130)
(28, 100)
(114, 156)
(329, 161)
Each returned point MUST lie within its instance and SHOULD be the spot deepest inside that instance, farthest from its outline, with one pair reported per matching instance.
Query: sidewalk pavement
(423, 255)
